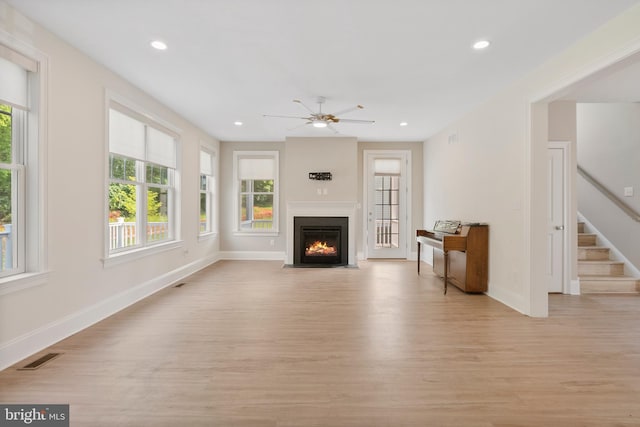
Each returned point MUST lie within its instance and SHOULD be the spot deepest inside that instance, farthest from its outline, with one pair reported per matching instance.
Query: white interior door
(386, 221)
(555, 219)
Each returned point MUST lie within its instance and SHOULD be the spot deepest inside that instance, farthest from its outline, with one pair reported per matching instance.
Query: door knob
(559, 227)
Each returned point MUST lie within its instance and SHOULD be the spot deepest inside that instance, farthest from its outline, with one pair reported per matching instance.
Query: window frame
(210, 192)
(143, 246)
(273, 156)
(31, 221)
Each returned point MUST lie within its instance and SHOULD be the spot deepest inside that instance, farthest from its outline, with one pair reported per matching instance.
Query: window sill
(128, 256)
(274, 233)
(207, 236)
(22, 281)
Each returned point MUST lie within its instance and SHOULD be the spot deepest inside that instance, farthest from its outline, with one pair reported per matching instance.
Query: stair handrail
(609, 195)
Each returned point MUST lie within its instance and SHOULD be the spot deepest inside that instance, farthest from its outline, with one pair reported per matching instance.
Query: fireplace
(320, 241)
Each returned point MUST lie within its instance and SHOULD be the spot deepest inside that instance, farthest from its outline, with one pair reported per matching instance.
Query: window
(12, 169)
(256, 182)
(207, 188)
(142, 181)
(21, 231)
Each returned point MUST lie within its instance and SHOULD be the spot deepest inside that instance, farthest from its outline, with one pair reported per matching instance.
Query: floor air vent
(39, 362)
(179, 285)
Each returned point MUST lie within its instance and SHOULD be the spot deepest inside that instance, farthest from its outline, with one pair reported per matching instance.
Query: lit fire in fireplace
(319, 248)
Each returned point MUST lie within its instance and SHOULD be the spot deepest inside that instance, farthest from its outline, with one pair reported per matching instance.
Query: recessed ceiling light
(159, 45)
(237, 123)
(481, 44)
(403, 123)
(319, 125)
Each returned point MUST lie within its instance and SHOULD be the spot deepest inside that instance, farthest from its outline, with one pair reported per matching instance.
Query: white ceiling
(404, 60)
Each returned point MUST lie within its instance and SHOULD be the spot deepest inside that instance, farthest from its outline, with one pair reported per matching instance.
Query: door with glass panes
(387, 205)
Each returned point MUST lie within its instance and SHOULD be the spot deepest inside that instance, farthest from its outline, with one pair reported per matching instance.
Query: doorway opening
(537, 147)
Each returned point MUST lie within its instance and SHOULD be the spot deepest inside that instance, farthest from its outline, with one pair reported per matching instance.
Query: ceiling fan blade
(286, 117)
(332, 128)
(348, 110)
(356, 121)
(299, 126)
(304, 105)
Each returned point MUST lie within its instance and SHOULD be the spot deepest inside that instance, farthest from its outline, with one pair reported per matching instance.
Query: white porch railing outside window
(6, 247)
(123, 234)
(257, 224)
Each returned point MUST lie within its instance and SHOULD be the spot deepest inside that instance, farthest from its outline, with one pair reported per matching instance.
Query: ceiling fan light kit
(318, 119)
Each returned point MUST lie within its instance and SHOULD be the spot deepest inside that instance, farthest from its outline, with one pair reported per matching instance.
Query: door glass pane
(395, 210)
(378, 197)
(386, 211)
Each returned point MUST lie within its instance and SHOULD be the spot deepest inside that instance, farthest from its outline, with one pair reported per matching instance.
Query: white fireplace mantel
(311, 208)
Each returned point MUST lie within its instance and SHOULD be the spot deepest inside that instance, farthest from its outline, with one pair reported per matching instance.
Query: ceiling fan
(319, 119)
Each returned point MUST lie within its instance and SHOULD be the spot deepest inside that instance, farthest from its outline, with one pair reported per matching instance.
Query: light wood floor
(253, 344)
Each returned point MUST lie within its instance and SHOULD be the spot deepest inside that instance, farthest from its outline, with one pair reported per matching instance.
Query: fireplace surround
(322, 209)
(320, 241)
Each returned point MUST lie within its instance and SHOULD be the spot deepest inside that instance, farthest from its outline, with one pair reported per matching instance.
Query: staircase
(597, 272)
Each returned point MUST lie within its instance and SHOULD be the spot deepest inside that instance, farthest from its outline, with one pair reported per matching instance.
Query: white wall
(609, 150)
(609, 146)
(79, 290)
(495, 170)
(477, 177)
(338, 155)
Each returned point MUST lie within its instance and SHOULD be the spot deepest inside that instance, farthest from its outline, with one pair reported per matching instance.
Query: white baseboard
(508, 298)
(253, 255)
(28, 344)
(411, 256)
(574, 287)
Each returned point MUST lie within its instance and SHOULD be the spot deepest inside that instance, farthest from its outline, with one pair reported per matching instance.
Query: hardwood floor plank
(254, 344)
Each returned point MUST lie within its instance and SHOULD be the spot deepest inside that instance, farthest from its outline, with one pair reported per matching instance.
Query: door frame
(403, 154)
(568, 226)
